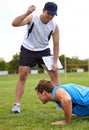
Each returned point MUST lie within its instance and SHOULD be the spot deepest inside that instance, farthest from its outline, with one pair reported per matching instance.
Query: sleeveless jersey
(38, 34)
(79, 96)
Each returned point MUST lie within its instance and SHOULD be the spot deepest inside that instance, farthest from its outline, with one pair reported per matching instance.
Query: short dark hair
(44, 85)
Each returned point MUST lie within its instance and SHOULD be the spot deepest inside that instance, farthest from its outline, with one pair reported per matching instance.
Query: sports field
(34, 115)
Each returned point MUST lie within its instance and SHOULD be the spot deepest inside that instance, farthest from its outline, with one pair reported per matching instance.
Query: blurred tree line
(71, 64)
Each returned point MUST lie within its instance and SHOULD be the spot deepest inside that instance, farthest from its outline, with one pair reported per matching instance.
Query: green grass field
(34, 115)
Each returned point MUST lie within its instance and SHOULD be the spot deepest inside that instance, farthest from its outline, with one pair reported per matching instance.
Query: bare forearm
(62, 122)
(55, 53)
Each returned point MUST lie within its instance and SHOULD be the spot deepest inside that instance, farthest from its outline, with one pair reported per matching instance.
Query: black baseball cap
(51, 8)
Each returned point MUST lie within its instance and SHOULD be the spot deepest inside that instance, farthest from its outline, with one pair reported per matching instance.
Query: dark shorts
(32, 58)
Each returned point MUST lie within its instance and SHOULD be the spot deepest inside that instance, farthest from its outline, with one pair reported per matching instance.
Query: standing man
(35, 45)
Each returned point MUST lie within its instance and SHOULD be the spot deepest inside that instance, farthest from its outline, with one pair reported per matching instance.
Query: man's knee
(23, 73)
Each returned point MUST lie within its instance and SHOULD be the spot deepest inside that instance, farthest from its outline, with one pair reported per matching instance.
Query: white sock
(18, 104)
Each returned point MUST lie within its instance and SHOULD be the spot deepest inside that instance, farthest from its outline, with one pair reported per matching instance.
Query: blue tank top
(80, 98)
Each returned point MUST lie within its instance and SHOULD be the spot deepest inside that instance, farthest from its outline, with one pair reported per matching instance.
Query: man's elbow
(68, 100)
(13, 24)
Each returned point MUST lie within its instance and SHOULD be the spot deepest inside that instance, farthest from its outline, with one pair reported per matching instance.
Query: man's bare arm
(64, 98)
(24, 18)
(55, 37)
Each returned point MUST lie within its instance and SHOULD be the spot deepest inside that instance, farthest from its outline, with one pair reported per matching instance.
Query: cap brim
(51, 12)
